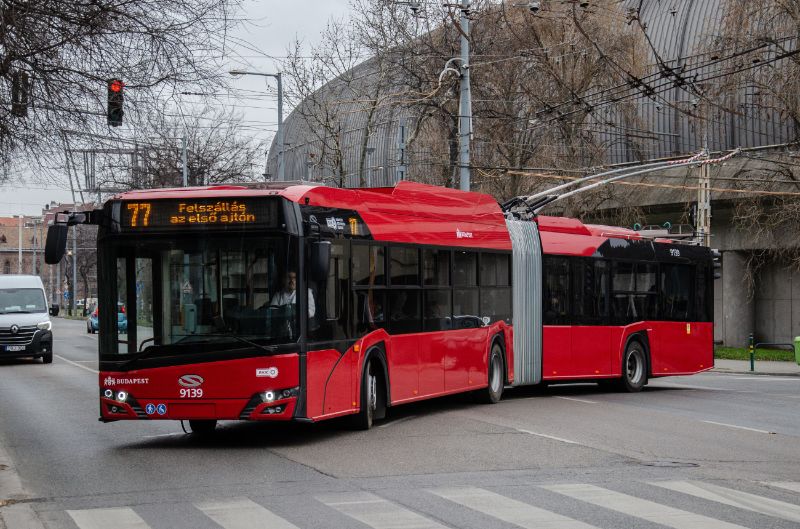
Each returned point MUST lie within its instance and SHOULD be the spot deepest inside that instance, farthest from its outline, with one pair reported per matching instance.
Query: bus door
(590, 337)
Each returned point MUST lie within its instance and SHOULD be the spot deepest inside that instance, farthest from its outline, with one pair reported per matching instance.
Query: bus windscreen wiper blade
(155, 350)
(243, 340)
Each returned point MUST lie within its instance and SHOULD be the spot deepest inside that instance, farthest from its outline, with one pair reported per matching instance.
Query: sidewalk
(762, 367)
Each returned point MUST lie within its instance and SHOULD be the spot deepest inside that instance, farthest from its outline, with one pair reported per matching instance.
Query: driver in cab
(288, 294)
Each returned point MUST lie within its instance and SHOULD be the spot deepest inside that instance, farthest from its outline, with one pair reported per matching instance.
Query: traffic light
(116, 98)
(716, 258)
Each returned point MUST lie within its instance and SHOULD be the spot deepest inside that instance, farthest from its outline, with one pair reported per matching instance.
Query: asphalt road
(712, 450)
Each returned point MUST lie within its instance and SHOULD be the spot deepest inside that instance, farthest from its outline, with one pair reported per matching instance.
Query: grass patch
(741, 353)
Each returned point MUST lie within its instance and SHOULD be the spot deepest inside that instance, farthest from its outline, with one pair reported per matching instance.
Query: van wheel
(634, 368)
(47, 358)
(494, 390)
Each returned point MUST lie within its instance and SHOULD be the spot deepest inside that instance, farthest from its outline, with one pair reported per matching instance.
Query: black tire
(47, 358)
(88, 329)
(372, 401)
(493, 392)
(203, 427)
(634, 368)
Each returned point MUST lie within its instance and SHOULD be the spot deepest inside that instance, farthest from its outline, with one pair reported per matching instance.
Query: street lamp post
(279, 139)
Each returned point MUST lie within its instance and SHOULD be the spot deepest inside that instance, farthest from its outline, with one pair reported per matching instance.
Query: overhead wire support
(530, 205)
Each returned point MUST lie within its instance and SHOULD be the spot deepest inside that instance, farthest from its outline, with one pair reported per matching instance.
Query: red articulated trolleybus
(304, 302)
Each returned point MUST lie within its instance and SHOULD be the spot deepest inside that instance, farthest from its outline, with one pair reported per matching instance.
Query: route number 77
(137, 208)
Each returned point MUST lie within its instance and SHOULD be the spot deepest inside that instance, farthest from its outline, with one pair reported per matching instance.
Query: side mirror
(319, 259)
(56, 245)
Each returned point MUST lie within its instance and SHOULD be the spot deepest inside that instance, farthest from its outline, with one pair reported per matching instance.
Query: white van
(25, 327)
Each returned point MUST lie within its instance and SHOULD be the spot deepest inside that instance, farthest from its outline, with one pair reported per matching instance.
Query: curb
(753, 373)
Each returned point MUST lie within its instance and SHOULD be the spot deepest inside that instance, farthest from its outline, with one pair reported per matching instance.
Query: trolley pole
(465, 108)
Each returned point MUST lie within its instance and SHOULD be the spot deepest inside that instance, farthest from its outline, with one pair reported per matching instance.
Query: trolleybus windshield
(177, 294)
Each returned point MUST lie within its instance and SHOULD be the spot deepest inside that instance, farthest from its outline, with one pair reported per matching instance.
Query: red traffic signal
(116, 98)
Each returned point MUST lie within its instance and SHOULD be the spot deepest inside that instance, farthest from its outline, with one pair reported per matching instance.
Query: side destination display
(234, 212)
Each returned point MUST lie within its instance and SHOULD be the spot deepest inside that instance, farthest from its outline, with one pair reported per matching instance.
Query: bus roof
(415, 213)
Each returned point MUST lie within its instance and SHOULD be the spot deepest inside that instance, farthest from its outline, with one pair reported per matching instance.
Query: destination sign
(152, 214)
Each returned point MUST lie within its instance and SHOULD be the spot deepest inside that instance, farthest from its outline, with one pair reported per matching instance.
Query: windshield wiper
(153, 349)
(243, 340)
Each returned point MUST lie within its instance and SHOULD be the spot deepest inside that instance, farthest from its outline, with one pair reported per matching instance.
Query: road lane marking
(376, 512)
(401, 419)
(118, 518)
(788, 485)
(734, 498)
(577, 400)
(739, 427)
(553, 437)
(76, 364)
(639, 508)
(770, 378)
(243, 513)
(509, 510)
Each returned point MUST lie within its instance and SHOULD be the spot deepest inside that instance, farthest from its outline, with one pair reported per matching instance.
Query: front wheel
(47, 358)
(203, 427)
(494, 390)
(372, 405)
(634, 368)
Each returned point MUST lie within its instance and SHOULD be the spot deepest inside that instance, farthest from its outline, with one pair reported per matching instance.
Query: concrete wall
(777, 304)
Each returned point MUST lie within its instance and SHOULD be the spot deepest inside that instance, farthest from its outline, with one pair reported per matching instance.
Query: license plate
(15, 348)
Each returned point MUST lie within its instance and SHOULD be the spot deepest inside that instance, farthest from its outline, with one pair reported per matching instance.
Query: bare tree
(219, 150)
(56, 57)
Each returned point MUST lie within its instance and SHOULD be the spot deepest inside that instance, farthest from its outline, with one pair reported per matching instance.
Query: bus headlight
(44, 326)
(109, 393)
(122, 396)
(269, 396)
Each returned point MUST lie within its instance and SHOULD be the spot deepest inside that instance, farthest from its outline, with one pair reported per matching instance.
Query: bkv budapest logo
(109, 381)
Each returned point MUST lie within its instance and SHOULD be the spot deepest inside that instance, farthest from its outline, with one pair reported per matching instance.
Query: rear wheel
(203, 427)
(634, 368)
(494, 391)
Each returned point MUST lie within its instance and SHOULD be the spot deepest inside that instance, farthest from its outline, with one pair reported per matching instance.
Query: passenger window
(436, 267)
(404, 311)
(555, 303)
(496, 304)
(404, 266)
(329, 321)
(495, 270)
(369, 265)
(465, 269)
(437, 310)
(465, 309)
(370, 310)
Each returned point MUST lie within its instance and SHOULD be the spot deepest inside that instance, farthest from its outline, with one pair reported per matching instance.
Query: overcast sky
(273, 26)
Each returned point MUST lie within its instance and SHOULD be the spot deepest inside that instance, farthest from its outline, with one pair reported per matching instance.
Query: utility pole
(185, 165)
(19, 249)
(704, 190)
(74, 270)
(704, 206)
(279, 140)
(465, 107)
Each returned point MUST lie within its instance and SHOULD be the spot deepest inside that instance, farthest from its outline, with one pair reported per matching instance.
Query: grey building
(760, 289)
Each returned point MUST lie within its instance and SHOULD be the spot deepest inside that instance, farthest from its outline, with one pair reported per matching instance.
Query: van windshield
(21, 300)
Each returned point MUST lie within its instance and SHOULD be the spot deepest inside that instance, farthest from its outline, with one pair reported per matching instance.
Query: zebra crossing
(367, 509)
